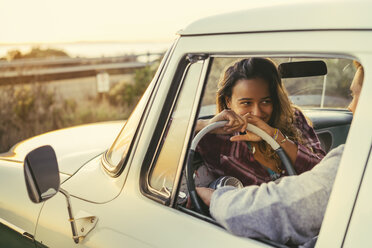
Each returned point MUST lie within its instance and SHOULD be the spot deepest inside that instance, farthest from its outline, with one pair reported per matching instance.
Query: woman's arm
(310, 152)
(288, 146)
(303, 157)
(200, 124)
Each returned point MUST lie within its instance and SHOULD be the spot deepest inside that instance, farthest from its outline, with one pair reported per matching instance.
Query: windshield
(120, 147)
(116, 155)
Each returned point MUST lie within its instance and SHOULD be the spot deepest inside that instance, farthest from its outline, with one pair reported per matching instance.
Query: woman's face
(251, 96)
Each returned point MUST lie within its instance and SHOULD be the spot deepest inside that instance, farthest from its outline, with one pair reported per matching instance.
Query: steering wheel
(197, 202)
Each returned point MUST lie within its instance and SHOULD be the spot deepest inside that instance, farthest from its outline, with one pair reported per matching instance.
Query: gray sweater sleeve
(290, 210)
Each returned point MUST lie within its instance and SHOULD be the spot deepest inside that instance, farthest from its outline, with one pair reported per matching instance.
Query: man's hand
(205, 194)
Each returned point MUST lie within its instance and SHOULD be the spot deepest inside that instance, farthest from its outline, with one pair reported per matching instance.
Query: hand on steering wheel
(197, 202)
(237, 123)
(234, 122)
(249, 136)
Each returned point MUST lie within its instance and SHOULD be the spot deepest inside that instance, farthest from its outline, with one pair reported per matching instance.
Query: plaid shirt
(223, 157)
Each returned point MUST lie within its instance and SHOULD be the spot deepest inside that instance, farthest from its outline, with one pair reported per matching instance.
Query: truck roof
(288, 16)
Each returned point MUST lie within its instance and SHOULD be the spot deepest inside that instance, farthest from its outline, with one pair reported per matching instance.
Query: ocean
(94, 49)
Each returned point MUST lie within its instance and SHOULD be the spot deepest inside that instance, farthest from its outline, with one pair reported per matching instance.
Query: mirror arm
(75, 237)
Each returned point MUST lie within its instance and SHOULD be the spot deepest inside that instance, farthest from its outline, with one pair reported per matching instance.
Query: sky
(59, 21)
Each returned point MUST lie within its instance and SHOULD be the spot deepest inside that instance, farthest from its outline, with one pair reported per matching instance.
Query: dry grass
(29, 110)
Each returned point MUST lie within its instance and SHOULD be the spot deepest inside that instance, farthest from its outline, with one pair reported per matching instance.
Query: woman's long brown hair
(283, 110)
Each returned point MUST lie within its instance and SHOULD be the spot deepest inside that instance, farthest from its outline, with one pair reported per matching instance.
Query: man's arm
(291, 210)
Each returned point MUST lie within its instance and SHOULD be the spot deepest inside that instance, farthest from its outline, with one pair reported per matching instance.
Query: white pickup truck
(101, 189)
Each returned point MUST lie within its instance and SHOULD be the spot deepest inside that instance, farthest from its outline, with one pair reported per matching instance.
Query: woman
(251, 91)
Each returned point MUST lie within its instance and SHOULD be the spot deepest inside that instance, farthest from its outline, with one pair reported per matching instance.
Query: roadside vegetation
(27, 110)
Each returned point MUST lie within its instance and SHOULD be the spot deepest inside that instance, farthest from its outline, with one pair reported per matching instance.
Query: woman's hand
(235, 122)
(249, 136)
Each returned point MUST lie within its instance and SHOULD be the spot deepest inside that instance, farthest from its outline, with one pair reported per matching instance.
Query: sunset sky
(57, 21)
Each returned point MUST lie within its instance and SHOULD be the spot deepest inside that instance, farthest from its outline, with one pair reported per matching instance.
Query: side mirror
(41, 174)
(42, 181)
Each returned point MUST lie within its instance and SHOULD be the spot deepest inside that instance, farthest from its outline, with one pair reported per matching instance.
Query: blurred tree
(142, 78)
(13, 54)
(127, 94)
(35, 52)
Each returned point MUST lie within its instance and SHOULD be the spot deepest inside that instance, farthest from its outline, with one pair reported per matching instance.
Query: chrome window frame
(169, 198)
(146, 189)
